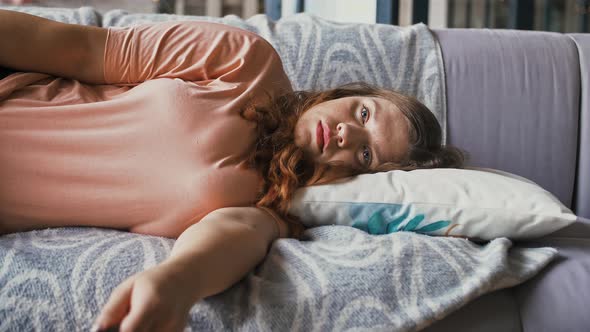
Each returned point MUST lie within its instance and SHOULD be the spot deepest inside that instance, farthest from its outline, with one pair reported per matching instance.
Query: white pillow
(475, 203)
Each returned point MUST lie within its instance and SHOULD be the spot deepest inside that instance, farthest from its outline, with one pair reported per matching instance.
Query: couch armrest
(582, 193)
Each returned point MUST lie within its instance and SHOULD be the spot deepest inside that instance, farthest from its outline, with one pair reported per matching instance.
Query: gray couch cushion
(558, 298)
(512, 99)
(493, 312)
(582, 195)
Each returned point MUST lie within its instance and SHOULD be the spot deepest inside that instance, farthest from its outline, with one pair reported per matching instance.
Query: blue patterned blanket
(337, 278)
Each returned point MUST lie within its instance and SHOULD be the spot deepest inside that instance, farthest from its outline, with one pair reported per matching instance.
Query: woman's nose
(347, 134)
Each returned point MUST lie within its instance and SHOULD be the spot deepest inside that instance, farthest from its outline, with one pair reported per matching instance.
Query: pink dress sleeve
(189, 50)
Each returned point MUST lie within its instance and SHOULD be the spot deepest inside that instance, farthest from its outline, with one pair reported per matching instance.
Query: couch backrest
(582, 193)
(513, 102)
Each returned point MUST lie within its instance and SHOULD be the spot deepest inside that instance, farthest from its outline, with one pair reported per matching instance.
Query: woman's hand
(151, 300)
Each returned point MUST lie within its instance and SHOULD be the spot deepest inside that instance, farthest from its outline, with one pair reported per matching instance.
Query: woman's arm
(207, 258)
(223, 247)
(34, 44)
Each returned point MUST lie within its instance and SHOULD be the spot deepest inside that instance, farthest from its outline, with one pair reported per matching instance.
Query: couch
(516, 101)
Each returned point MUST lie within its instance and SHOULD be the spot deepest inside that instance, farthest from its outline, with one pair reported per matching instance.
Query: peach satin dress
(155, 149)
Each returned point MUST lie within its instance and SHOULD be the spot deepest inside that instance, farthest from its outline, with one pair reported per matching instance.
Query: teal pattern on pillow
(380, 218)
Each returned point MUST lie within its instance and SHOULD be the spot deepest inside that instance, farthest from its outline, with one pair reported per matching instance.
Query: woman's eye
(367, 156)
(364, 113)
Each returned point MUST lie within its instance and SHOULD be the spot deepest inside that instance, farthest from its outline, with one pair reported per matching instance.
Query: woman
(188, 130)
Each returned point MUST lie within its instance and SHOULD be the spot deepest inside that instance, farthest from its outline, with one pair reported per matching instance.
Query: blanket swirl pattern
(337, 278)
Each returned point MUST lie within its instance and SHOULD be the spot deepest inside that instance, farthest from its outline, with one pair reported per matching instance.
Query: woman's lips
(319, 135)
(326, 131)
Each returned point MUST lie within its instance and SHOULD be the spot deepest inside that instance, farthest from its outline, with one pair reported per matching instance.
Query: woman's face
(361, 132)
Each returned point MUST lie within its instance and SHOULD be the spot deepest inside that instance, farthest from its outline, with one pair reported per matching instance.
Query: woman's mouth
(326, 132)
(319, 135)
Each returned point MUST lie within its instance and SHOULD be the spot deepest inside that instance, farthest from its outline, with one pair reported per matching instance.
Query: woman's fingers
(149, 313)
(145, 306)
(147, 301)
(136, 321)
(117, 306)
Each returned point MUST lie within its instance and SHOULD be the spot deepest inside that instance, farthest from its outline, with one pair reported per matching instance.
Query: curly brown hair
(285, 166)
